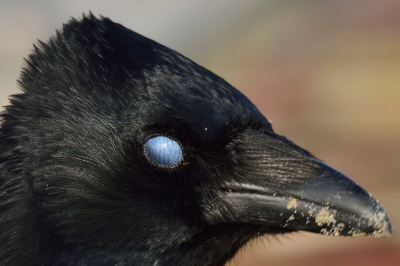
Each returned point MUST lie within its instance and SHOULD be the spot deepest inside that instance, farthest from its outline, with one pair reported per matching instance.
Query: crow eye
(163, 151)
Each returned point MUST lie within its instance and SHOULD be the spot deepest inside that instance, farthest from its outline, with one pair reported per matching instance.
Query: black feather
(75, 185)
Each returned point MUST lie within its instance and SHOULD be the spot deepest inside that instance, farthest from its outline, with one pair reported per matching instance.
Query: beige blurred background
(327, 73)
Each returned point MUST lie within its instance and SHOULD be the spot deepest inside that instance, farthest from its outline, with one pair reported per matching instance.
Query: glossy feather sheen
(121, 151)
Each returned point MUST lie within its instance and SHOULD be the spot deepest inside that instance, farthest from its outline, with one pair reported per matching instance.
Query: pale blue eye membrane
(163, 151)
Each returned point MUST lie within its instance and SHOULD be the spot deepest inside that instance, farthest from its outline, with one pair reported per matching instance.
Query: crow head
(120, 151)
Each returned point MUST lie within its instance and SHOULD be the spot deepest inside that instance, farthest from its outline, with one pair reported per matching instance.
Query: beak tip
(386, 232)
(377, 226)
(380, 222)
(382, 226)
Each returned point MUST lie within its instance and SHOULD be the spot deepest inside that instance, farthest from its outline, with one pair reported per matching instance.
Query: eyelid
(163, 151)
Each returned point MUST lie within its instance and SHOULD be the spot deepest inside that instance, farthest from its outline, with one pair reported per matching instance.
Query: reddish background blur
(327, 73)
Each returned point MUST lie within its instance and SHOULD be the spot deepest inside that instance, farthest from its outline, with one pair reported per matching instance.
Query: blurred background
(327, 73)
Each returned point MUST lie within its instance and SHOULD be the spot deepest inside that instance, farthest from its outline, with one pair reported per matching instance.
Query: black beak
(277, 184)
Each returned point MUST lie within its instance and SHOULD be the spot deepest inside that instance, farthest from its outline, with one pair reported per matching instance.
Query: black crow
(120, 151)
